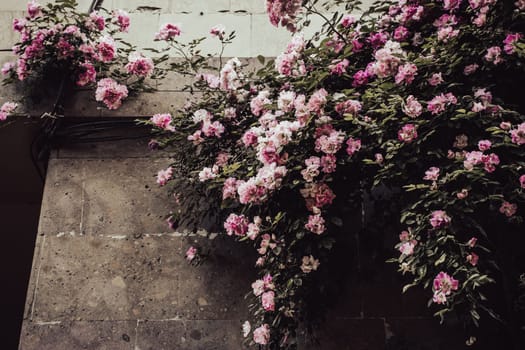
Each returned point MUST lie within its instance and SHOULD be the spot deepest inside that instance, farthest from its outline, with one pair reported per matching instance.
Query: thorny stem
(327, 21)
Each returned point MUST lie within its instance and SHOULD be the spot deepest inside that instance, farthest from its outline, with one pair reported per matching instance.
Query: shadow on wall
(20, 200)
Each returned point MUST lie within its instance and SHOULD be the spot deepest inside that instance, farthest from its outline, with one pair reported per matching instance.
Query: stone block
(175, 81)
(198, 6)
(136, 146)
(92, 335)
(122, 198)
(8, 37)
(206, 291)
(194, 26)
(143, 26)
(250, 6)
(132, 5)
(189, 335)
(347, 334)
(108, 278)
(262, 29)
(63, 195)
(82, 103)
(423, 334)
(147, 104)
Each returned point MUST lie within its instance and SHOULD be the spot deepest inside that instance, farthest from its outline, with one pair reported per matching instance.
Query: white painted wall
(255, 34)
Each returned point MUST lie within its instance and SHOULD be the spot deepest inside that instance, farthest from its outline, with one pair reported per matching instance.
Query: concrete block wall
(255, 34)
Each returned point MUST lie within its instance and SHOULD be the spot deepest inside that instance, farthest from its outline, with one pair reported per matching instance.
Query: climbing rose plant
(85, 50)
(420, 98)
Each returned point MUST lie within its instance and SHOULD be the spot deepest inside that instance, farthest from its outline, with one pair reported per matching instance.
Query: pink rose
(493, 55)
(168, 31)
(353, 146)
(87, 74)
(509, 42)
(473, 258)
(268, 302)
(139, 65)
(435, 79)
(412, 107)
(315, 224)
(508, 209)
(484, 145)
(164, 176)
(191, 253)
(106, 49)
(439, 218)
(338, 67)
(522, 181)
(472, 242)
(236, 224)
(111, 93)
(218, 31)
(121, 17)
(261, 335)
(6, 109)
(163, 121)
(407, 133)
(432, 174)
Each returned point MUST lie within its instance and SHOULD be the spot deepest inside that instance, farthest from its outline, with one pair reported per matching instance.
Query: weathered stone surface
(189, 335)
(133, 145)
(108, 278)
(88, 335)
(347, 334)
(121, 197)
(424, 334)
(206, 291)
(62, 201)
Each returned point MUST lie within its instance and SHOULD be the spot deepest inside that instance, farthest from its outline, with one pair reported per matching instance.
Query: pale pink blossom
(164, 176)
(522, 181)
(439, 218)
(316, 224)
(518, 134)
(258, 103)
(95, 21)
(472, 242)
(236, 225)
(34, 9)
(352, 107)
(493, 55)
(218, 31)
(401, 33)
(406, 74)
(412, 107)
(353, 146)
(208, 173)
(87, 74)
(329, 144)
(309, 264)
(168, 31)
(229, 79)
(163, 121)
(268, 301)
(407, 133)
(338, 67)
(106, 49)
(111, 93)
(246, 328)
(317, 101)
(360, 78)
(6, 109)
(211, 129)
(484, 145)
(8, 67)
(407, 248)
(432, 174)
(435, 79)
(508, 209)
(510, 41)
(328, 163)
(121, 18)
(312, 168)
(139, 64)
(317, 195)
(229, 189)
(285, 101)
(258, 287)
(261, 335)
(347, 20)
(191, 253)
(462, 194)
(443, 286)
(473, 259)
(439, 103)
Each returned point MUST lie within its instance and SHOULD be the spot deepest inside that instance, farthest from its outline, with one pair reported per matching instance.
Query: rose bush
(421, 97)
(61, 46)
(416, 95)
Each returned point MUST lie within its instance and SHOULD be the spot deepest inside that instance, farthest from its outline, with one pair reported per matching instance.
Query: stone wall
(255, 34)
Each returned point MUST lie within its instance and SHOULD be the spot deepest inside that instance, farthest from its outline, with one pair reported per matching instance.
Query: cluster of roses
(83, 46)
(377, 94)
